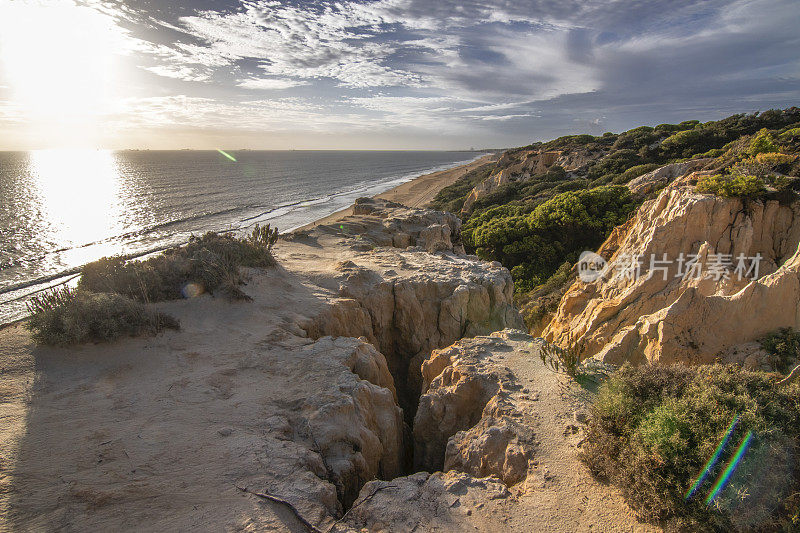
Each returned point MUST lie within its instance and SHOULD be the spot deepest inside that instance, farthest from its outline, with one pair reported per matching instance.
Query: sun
(57, 60)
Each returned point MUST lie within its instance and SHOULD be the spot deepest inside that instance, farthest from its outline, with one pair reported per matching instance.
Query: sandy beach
(416, 193)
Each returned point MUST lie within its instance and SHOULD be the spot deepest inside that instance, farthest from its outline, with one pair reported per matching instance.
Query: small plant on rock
(560, 359)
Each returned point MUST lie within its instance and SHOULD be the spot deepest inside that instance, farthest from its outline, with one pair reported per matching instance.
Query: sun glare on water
(58, 63)
(78, 192)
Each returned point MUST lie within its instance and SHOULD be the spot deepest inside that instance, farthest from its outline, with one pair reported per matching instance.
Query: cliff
(298, 394)
(521, 165)
(667, 314)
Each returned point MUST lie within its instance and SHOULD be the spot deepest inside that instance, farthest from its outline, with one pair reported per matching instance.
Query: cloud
(508, 70)
(262, 115)
(180, 72)
(270, 83)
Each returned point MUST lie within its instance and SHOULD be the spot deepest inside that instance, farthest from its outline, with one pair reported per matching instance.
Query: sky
(381, 74)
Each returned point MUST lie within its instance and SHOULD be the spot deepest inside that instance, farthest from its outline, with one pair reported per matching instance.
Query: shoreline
(417, 192)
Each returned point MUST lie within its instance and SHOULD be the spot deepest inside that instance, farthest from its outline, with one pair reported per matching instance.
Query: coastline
(415, 193)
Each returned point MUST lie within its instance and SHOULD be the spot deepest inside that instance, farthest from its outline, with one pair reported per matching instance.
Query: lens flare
(726, 475)
(713, 460)
(226, 154)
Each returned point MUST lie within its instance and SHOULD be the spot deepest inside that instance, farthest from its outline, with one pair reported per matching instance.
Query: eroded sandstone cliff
(506, 431)
(667, 313)
(520, 165)
(406, 300)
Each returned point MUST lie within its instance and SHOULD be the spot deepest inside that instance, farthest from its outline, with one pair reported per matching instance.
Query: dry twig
(311, 527)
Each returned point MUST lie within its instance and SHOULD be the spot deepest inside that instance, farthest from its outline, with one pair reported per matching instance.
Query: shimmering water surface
(62, 209)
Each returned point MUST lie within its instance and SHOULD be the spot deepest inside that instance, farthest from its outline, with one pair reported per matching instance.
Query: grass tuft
(109, 301)
(211, 263)
(65, 316)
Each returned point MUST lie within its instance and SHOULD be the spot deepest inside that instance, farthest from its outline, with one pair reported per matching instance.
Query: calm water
(62, 209)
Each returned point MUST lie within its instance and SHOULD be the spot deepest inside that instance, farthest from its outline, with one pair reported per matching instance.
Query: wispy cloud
(494, 72)
(271, 83)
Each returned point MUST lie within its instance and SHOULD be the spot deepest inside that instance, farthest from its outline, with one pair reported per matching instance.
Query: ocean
(62, 209)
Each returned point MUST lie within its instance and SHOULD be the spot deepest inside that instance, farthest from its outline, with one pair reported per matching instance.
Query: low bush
(763, 143)
(732, 186)
(206, 264)
(784, 348)
(775, 159)
(538, 305)
(655, 429)
(64, 316)
(635, 172)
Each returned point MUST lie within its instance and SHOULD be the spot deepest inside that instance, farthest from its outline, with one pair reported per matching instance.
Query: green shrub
(736, 186)
(534, 244)
(714, 152)
(784, 347)
(685, 143)
(539, 304)
(790, 134)
(763, 143)
(209, 263)
(64, 316)
(654, 428)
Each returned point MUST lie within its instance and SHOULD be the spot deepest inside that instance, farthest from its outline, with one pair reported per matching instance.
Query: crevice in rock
(432, 302)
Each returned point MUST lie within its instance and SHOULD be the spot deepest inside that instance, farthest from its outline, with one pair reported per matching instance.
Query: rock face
(464, 420)
(521, 165)
(673, 314)
(506, 429)
(387, 223)
(355, 422)
(449, 501)
(422, 302)
(647, 183)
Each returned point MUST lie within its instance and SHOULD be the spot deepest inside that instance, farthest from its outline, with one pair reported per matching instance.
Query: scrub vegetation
(112, 295)
(535, 225)
(655, 431)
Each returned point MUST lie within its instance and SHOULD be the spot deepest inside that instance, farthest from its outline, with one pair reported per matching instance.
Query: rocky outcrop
(449, 501)
(354, 422)
(521, 165)
(464, 420)
(669, 312)
(660, 177)
(506, 429)
(421, 303)
(385, 223)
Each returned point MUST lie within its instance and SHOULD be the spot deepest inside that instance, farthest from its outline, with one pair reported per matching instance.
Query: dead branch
(311, 527)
